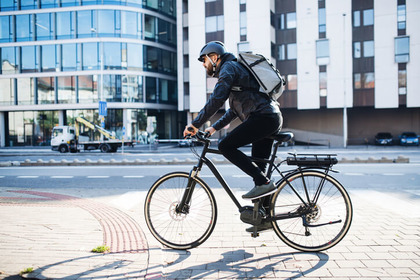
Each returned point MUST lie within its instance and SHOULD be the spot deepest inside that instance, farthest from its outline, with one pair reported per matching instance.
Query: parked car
(409, 138)
(384, 138)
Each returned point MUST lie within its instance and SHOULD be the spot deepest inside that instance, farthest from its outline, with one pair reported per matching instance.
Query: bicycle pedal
(255, 235)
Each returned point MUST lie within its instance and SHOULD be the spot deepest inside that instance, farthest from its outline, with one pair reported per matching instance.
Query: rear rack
(312, 160)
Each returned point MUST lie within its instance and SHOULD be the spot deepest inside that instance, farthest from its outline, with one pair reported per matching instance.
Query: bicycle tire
(174, 230)
(333, 205)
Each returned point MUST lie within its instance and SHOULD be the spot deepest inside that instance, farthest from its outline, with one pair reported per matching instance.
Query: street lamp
(344, 84)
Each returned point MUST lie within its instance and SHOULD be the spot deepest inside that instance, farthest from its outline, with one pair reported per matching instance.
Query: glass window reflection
(43, 27)
(48, 58)
(28, 4)
(28, 57)
(149, 27)
(106, 22)
(402, 49)
(46, 93)
(66, 90)
(65, 25)
(151, 90)
(7, 94)
(88, 89)
(6, 25)
(112, 55)
(134, 56)
(85, 24)
(132, 88)
(68, 54)
(24, 28)
(129, 24)
(8, 60)
(8, 5)
(90, 56)
(25, 92)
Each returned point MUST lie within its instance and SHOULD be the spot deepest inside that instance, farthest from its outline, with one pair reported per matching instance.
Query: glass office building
(59, 58)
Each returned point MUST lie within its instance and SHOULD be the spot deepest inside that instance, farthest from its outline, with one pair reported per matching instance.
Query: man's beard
(210, 71)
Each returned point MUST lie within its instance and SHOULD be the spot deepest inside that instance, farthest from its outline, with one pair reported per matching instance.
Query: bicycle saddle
(282, 136)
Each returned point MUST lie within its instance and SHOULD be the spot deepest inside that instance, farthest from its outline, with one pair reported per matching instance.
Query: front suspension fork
(184, 205)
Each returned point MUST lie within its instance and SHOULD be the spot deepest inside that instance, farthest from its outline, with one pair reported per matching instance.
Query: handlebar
(201, 136)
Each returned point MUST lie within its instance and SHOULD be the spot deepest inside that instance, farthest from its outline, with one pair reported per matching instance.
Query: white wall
(258, 26)
(180, 64)
(196, 35)
(307, 70)
(413, 67)
(231, 24)
(339, 69)
(386, 70)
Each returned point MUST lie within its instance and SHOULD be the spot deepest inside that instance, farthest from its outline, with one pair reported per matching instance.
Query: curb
(175, 161)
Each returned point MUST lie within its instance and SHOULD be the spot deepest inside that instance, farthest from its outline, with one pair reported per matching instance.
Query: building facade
(352, 67)
(61, 57)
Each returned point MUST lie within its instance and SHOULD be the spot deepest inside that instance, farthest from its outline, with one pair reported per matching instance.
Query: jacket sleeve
(218, 97)
(225, 120)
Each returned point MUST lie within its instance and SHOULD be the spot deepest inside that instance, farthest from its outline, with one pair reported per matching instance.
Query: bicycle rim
(180, 231)
(329, 218)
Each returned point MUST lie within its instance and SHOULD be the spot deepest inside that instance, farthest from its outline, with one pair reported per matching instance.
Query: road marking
(393, 174)
(27, 177)
(134, 176)
(354, 174)
(62, 177)
(97, 177)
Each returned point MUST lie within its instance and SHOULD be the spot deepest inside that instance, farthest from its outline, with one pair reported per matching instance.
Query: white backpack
(269, 78)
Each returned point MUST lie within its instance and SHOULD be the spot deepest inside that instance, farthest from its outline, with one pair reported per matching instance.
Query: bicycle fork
(184, 205)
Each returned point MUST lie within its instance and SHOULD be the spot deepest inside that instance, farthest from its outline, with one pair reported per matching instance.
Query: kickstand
(255, 233)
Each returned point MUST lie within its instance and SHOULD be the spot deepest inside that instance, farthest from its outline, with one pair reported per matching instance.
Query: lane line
(393, 174)
(354, 174)
(62, 177)
(27, 177)
(97, 177)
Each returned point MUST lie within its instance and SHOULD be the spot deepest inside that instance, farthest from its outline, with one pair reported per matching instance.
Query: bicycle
(310, 211)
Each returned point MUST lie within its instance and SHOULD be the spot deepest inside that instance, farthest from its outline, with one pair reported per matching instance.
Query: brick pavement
(54, 233)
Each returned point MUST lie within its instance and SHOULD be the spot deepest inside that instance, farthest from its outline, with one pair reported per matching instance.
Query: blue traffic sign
(102, 108)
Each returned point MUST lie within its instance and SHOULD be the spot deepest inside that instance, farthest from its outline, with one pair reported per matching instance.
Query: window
(8, 60)
(25, 91)
(49, 3)
(291, 20)
(7, 94)
(6, 25)
(166, 32)
(357, 50)
(401, 16)
(43, 27)
(132, 89)
(24, 31)
(134, 56)
(90, 56)
(214, 24)
(129, 24)
(356, 18)
(322, 84)
(65, 25)
(28, 4)
(28, 57)
(242, 23)
(85, 24)
(322, 52)
(402, 49)
(368, 80)
(151, 89)
(48, 58)
(322, 22)
(368, 49)
(357, 80)
(149, 27)
(402, 82)
(112, 55)
(281, 52)
(106, 23)
(292, 82)
(8, 5)
(46, 94)
(68, 55)
(368, 17)
(88, 89)
(66, 90)
(291, 51)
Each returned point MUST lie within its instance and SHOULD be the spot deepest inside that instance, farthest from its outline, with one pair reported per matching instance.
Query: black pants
(252, 131)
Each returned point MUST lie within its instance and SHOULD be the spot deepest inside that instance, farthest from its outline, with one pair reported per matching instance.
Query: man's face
(208, 64)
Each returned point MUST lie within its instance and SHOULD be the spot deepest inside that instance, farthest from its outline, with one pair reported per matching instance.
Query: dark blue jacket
(242, 103)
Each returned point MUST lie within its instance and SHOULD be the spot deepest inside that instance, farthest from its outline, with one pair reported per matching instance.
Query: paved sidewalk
(53, 231)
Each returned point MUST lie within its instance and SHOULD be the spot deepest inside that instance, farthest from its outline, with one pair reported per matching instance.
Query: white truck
(68, 139)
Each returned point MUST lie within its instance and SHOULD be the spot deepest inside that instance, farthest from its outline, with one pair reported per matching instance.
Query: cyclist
(260, 115)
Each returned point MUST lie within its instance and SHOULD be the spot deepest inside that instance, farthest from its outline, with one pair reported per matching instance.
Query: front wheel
(312, 211)
(170, 227)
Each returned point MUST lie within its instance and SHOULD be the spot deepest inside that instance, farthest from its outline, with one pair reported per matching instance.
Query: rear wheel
(315, 219)
(63, 149)
(172, 228)
(105, 148)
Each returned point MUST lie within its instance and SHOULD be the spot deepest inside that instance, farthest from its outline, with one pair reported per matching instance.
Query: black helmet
(212, 47)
